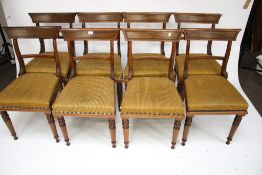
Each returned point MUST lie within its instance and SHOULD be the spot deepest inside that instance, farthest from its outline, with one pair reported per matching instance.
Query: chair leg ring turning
(187, 125)
(62, 126)
(9, 124)
(176, 129)
(125, 123)
(112, 128)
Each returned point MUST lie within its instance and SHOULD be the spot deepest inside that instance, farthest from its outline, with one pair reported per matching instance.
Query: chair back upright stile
(52, 18)
(152, 35)
(95, 34)
(101, 18)
(148, 18)
(46, 66)
(42, 33)
(198, 18)
(228, 35)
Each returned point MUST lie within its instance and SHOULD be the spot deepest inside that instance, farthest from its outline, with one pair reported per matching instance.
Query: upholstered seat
(29, 91)
(47, 65)
(148, 67)
(99, 67)
(152, 95)
(197, 67)
(86, 95)
(211, 92)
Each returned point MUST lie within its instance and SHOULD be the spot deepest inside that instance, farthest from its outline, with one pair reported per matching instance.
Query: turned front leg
(51, 122)
(234, 127)
(8, 123)
(176, 128)
(186, 129)
(125, 123)
(62, 126)
(112, 128)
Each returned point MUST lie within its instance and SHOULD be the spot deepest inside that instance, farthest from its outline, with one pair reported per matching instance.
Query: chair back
(148, 17)
(86, 34)
(101, 17)
(198, 18)
(52, 18)
(163, 35)
(42, 33)
(228, 35)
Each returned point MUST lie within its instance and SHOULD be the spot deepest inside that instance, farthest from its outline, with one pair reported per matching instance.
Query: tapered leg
(234, 127)
(176, 128)
(51, 121)
(186, 129)
(8, 123)
(112, 128)
(125, 123)
(62, 125)
(119, 94)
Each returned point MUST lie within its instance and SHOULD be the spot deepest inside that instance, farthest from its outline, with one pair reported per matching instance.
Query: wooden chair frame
(163, 35)
(104, 17)
(16, 33)
(198, 18)
(195, 18)
(228, 35)
(148, 17)
(98, 34)
(55, 18)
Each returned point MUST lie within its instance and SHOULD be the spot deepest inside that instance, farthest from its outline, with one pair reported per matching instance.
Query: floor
(7, 74)
(251, 81)
(90, 152)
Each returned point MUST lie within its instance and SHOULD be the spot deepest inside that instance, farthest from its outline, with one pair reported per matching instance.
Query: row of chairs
(146, 96)
(95, 67)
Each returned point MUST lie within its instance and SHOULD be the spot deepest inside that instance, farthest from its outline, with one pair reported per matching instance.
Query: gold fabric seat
(152, 95)
(197, 67)
(29, 91)
(47, 65)
(150, 67)
(98, 67)
(211, 92)
(87, 95)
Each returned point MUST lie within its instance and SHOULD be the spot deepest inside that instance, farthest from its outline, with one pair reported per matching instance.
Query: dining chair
(32, 92)
(151, 97)
(147, 64)
(101, 67)
(203, 66)
(211, 94)
(88, 96)
(48, 65)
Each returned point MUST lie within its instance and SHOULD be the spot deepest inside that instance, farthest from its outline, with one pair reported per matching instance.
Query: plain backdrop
(35, 152)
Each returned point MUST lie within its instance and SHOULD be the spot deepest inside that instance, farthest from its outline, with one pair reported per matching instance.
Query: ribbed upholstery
(152, 95)
(149, 68)
(99, 67)
(87, 94)
(212, 92)
(29, 91)
(197, 67)
(47, 65)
